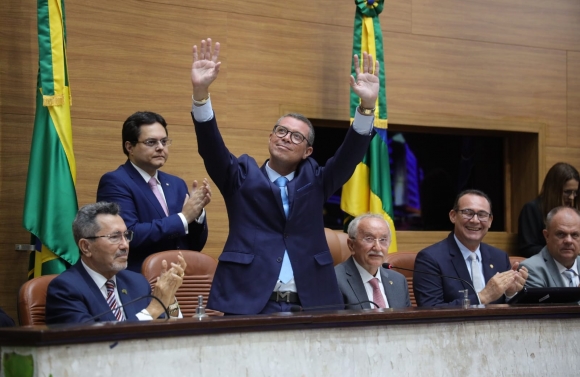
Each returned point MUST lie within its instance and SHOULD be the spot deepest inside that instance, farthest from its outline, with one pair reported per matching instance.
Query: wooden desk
(497, 340)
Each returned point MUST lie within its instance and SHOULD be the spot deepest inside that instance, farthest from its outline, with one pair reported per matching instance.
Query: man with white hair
(361, 278)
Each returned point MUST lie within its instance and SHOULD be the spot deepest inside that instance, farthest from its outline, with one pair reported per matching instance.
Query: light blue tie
(570, 275)
(286, 272)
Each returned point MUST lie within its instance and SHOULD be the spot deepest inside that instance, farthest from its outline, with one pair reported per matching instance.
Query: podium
(479, 341)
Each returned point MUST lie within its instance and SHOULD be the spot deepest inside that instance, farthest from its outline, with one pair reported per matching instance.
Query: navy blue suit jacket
(142, 213)
(73, 296)
(259, 232)
(445, 258)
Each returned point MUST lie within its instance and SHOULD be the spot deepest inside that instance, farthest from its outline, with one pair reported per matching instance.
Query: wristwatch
(365, 111)
(173, 308)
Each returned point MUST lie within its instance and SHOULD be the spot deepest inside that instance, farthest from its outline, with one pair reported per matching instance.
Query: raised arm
(366, 84)
(205, 68)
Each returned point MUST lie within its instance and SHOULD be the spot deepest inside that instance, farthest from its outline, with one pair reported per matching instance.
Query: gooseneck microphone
(129, 303)
(389, 266)
(298, 308)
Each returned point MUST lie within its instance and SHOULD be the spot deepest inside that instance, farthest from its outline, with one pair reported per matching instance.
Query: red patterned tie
(112, 301)
(377, 295)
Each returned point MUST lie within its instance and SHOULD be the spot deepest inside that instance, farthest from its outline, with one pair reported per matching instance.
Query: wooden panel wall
(493, 65)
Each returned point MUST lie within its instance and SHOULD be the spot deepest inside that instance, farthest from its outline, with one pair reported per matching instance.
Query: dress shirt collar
(561, 267)
(99, 279)
(273, 175)
(466, 252)
(144, 174)
(365, 275)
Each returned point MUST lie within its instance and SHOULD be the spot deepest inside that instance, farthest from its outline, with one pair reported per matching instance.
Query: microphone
(389, 266)
(298, 308)
(131, 302)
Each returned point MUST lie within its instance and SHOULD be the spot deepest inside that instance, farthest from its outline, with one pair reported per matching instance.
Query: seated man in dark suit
(97, 287)
(463, 255)
(5, 320)
(156, 206)
(557, 263)
(361, 277)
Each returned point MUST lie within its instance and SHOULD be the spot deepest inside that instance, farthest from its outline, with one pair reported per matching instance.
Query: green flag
(369, 188)
(50, 203)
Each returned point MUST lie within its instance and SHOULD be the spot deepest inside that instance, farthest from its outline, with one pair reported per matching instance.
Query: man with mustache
(557, 263)
(361, 277)
(98, 284)
(276, 255)
(155, 205)
(463, 255)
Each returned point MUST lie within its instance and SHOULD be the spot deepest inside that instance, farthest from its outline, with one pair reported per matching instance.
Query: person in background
(557, 263)
(156, 206)
(463, 255)
(362, 277)
(560, 188)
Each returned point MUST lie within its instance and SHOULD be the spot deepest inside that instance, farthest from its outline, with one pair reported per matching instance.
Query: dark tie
(112, 301)
(286, 272)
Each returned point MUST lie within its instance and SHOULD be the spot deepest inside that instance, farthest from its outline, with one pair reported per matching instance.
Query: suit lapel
(169, 191)
(356, 284)
(275, 190)
(390, 291)
(458, 262)
(98, 297)
(125, 295)
(553, 270)
(145, 189)
(489, 269)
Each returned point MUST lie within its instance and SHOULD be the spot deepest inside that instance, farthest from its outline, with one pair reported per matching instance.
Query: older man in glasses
(462, 255)
(276, 254)
(363, 282)
(98, 288)
(156, 206)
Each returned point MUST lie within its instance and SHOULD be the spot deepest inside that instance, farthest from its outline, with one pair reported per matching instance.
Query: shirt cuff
(144, 315)
(184, 221)
(362, 124)
(202, 113)
(201, 217)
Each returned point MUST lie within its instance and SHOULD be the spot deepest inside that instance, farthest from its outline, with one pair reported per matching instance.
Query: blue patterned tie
(286, 272)
(570, 275)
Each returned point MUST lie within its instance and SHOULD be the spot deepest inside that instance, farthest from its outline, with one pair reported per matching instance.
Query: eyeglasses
(115, 237)
(468, 214)
(569, 193)
(296, 137)
(154, 142)
(372, 240)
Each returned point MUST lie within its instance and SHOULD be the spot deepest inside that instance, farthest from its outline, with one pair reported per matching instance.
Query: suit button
(279, 260)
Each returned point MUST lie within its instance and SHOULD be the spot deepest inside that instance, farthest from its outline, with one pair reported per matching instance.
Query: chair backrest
(516, 259)
(405, 259)
(32, 301)
(196, 281)
(336, 240)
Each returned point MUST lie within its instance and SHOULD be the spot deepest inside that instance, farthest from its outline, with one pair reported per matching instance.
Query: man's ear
(307, 153)
(350, 244)
(129, 147)
(84, 247)
(545, 233)
(452, 216)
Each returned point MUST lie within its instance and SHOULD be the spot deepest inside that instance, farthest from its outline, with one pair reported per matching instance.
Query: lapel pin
(124, 291)
(166, 184)
(390, 282)
(491, 265)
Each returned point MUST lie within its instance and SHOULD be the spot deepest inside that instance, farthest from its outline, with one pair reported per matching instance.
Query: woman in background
(560, 187)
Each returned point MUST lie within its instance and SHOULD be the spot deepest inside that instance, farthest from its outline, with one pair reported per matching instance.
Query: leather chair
(32, 301)
(196, 281)
(405, 259)
(516, 259)
(336, 240)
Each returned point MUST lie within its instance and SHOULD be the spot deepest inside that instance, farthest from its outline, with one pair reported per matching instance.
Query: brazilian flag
(369, 188)
(50, 204)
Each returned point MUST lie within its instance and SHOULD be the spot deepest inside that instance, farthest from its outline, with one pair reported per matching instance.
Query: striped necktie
(112, 301)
